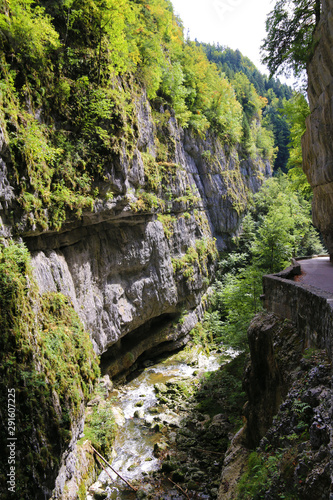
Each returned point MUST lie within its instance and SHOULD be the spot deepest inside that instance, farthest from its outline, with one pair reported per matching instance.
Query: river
(147, 428)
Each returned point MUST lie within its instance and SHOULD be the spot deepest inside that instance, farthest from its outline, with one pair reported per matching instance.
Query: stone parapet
(310, 308)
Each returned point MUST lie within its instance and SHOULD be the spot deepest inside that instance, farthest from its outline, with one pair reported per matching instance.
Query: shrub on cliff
(289, 42)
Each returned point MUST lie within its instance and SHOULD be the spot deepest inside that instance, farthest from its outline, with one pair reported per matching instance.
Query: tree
(289, 43)
(276, 228)
(296, 111)
(26, 32)
(272, 246)
(237, 298)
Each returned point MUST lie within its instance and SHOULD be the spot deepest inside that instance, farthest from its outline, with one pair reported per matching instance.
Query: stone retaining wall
(310, 308)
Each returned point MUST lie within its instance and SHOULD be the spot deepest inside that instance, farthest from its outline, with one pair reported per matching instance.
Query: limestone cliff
(146, 252)
(317, 141)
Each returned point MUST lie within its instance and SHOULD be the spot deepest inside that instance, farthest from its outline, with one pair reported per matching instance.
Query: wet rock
(163, 400)
(100, 494)
(169, 466)
(148, 363)
(192, 485)
(141, 494)
(106, 384)
(95, 402)
(154, 410)
(160, 448)
(118, 416)
(319, 434)
(198, 475)
(96, 488)
(156, 426)
(301, 470)
(139, 413)
(178, 476)
(160, 388)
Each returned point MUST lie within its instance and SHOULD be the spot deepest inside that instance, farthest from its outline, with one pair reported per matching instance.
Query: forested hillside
(247, 79)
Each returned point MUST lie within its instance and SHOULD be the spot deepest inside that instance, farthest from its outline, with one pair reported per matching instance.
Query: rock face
(308, 307)
(288, 418)
(275, 349)
(317, 142)
(146, 253)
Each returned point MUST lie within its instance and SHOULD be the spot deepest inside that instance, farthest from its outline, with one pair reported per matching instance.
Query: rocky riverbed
(175, 419)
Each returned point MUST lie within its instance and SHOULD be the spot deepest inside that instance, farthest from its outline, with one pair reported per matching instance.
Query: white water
(134, 444)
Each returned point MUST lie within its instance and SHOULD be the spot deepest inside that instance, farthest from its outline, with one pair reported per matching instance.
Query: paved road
(317, 272)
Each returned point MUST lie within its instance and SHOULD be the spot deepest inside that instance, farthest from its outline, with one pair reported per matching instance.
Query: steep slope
(284, 449)
(149, 250)
(234, 65)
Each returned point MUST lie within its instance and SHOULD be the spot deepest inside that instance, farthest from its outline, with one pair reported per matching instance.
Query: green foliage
(195, 259)
(28, 31)
(278, 202)
(256, 92)
(153, 173)
(237, 192)
(276, 228)
(289, 42)
(275, 120)
(47, 357)
(257, 139)
(147, 202)
(259, 476)
(172, 87)
(100, 426)
(231, 62)
(296, 111)
(67, 115)
(67, 351)
(221, 391)
(209, 97)
(237, 299)
(167, 221)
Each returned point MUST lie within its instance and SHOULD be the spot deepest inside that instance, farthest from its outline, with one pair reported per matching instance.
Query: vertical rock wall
(318, 140)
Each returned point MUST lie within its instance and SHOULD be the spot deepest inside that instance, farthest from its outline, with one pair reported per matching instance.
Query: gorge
(119, 186)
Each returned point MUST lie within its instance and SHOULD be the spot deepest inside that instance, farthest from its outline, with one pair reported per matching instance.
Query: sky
(238, 24)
